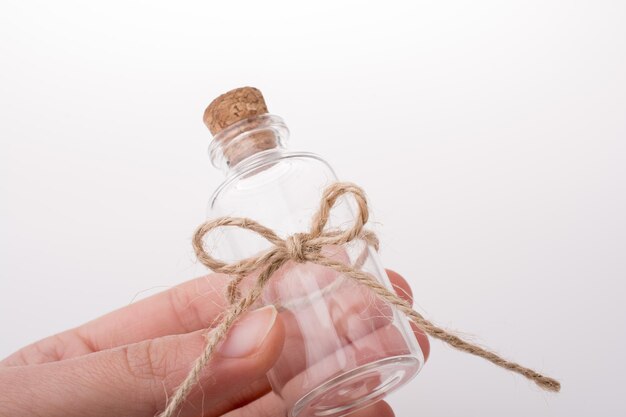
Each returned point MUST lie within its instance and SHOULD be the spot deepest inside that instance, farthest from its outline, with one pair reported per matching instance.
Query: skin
(127, 362)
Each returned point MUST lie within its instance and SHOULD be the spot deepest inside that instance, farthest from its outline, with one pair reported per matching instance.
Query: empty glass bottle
(344, 348)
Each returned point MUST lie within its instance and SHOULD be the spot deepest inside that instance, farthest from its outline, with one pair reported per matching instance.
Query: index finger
(190, 306)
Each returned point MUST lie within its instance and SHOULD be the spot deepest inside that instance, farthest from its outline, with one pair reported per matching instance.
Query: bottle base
(357, 388)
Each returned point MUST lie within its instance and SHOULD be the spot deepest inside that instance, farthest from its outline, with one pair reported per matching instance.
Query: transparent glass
(344, 348)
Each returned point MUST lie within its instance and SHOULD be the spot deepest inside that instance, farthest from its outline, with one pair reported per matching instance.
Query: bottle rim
(240, 131)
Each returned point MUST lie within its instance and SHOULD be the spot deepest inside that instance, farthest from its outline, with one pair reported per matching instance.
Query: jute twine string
(306, 247)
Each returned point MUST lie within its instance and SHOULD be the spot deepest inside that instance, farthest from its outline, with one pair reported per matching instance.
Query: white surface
(490, 136)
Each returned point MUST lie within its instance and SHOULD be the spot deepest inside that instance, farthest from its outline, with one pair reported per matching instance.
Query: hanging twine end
(549, 384)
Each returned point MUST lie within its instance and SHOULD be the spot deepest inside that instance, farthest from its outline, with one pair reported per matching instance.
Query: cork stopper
(241, 126)
(232, 107)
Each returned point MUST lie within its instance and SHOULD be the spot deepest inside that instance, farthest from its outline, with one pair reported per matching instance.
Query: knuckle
(145, 361)
(47, 350)
(184, 310)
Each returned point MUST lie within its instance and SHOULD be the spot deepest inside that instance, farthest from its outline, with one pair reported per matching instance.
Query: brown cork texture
(232, 107)
(241, 105)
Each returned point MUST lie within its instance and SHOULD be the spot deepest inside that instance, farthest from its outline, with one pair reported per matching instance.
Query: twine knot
(307, 247)
(296, 245)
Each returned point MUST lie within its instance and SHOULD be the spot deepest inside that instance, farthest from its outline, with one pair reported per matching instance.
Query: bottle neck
(240, 142)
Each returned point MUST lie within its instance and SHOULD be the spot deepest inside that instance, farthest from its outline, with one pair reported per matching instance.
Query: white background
(490, 137)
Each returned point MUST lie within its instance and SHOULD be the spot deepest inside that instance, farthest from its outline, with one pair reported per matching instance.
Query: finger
(136, 380)
(190, 306)
(403, 289)
(271, 405)
(400, 286)
(380, 344)
(362, 323)
(378, 409)
(320, 298)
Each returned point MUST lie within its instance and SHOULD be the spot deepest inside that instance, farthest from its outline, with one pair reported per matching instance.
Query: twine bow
(307, 247)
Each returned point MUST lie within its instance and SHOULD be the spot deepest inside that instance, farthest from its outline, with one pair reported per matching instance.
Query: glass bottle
(344, 349)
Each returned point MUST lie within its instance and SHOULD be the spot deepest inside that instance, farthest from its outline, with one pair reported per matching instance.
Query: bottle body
(344, 348)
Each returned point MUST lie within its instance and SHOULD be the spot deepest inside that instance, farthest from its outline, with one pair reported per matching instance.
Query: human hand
(127, 362)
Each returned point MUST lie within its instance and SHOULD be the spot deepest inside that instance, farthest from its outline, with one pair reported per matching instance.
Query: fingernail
(248, 334)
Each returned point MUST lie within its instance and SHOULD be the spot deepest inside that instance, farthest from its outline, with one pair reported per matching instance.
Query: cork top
(242, 127)
(232, 107)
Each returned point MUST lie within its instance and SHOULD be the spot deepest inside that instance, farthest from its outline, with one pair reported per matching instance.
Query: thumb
(137, 379)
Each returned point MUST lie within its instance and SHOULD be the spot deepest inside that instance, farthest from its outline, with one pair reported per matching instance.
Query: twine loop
(307, 247)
